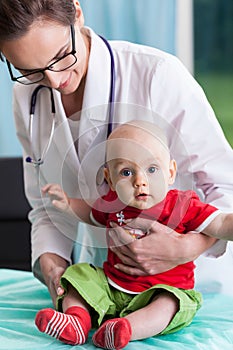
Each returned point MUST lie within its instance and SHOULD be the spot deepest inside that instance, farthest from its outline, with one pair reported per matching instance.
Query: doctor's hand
(52, 267)
(161, 250)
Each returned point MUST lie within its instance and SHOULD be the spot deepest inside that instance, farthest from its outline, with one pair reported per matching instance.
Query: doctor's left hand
(52, 267)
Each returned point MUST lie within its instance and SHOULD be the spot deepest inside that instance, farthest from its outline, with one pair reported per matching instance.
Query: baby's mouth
(142, 196)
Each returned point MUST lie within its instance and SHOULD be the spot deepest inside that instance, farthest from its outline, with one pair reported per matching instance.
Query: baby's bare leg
(153, 318)
(73, 298)
(141, 324)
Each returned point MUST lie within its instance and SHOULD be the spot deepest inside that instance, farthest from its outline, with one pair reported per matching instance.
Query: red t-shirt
(180, 210)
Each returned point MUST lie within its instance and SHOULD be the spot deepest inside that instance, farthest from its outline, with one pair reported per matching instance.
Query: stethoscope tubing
(40, 160)
(34, 99)
(112, 87)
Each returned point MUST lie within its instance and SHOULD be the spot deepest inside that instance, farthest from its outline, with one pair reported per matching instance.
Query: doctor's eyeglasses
(59, 65)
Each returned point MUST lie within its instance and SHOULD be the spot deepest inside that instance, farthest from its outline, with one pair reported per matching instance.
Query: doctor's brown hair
(16, 16)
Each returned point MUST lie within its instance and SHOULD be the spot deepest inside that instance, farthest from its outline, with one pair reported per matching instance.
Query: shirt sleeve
(104, 206)
(198, 214)
(100, 210)
(97, 216)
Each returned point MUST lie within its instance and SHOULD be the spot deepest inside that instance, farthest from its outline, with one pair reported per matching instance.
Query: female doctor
(47, 43)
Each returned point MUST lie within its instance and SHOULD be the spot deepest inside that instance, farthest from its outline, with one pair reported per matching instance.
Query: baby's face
(139, 169)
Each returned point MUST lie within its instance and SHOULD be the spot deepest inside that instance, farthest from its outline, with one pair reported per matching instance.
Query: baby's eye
(126, 172)
(152, 169)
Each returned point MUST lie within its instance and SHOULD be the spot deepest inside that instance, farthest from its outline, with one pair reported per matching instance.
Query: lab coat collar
(98, 79)
(96, 94)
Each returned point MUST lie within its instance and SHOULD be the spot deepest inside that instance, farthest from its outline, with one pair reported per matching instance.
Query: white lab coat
(149, 84)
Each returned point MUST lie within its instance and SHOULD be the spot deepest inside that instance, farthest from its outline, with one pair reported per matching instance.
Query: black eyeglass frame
(73, 53)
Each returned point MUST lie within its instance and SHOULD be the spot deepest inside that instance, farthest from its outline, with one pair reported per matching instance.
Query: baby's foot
(71, 327)
(113, 334)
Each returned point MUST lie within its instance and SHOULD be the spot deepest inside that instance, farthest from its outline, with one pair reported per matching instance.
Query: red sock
(113, 334)
(71, 327)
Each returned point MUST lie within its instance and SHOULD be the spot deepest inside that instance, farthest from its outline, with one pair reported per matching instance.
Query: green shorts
(107, 302)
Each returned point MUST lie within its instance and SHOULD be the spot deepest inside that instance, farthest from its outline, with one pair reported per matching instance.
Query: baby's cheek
(159, 186)
(124, 191)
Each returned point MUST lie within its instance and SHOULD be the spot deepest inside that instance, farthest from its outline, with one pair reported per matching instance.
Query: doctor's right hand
(52, 267)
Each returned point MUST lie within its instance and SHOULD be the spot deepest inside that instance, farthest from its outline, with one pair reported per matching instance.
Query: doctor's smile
(65, 83)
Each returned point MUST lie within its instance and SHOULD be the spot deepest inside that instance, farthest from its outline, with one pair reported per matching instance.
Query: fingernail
(113, 224)
(59, 291)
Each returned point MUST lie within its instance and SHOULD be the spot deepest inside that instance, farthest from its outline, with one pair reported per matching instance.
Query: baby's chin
(143, 204)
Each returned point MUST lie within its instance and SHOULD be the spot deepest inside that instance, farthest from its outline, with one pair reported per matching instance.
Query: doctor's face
(45, 43)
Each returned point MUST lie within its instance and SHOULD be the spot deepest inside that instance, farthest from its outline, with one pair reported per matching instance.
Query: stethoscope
(39, 161)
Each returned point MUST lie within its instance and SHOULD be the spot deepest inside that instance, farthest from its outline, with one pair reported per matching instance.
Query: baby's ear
(108, 177)
(172, 172)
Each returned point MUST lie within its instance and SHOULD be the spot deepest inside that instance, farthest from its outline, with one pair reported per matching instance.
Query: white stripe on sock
(109, 335)
(50, 324)
(59, 321)
(56, 327)
(79, 330)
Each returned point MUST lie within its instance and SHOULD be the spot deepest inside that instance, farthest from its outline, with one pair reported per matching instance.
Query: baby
(139, 171)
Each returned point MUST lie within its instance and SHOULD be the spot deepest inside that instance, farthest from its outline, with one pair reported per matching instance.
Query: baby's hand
(58, 197)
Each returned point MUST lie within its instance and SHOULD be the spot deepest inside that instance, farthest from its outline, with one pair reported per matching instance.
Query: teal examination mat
(22, 296)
